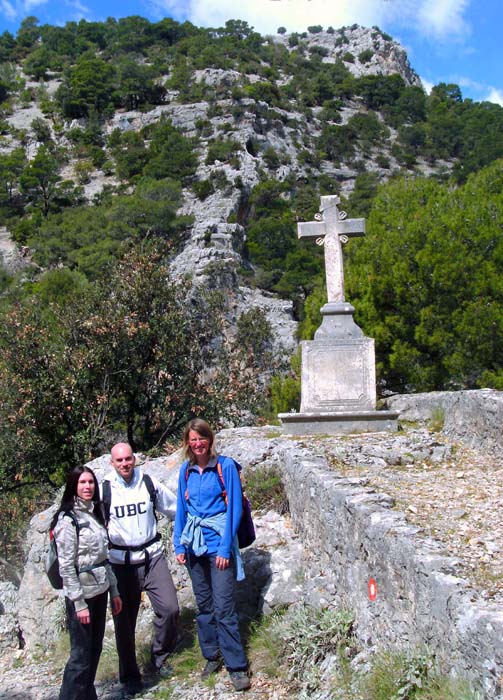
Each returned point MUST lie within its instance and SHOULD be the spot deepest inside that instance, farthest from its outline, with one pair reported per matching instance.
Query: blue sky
(452, 41)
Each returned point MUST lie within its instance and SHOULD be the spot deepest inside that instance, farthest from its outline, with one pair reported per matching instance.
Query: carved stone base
(338, 374)
(338, 381)
(337, 423)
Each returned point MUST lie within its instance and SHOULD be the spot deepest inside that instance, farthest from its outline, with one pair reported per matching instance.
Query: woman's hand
(84, 616)
(116, 604)
(181, 558)
(222, 562)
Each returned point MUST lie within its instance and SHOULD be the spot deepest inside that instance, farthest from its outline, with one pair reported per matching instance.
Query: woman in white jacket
(82, 543)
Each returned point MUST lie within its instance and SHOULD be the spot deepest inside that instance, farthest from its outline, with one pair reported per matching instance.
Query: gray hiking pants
(154, 578)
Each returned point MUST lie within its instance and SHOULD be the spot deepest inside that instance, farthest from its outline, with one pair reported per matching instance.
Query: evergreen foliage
(426, 282)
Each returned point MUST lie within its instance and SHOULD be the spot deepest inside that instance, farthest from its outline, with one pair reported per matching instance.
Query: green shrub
(285, 393)
(437, 418)
(265, 489)
(222, 151)
(382, 161)
(405, 675)
(219, 179)
(307, 636)
(203, 188)
(365, 56)
(271, 158)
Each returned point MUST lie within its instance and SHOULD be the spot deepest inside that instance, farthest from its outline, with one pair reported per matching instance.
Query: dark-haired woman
(205, 540)
(82, 543)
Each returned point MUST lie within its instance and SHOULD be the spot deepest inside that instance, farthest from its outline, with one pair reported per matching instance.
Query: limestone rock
(473, 416)
(9, 625)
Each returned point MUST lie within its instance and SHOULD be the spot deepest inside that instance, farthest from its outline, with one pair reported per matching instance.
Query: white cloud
(296, 15)
(464, 81)
(495, 96)
(28, 5)
(265, 16)
(78, 9)
(444, 18)
(19, 9)
(427, 85)
(433, 18)
(7, 9)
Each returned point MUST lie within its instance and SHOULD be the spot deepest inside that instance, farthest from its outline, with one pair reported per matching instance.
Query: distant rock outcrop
(214, 250)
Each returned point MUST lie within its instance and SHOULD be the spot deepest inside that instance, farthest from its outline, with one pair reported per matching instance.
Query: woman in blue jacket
(208, 512)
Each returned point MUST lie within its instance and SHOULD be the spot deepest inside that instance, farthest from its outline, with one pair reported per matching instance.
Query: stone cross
(331, 229)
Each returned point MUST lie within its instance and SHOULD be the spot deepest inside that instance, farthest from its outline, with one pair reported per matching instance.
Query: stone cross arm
(331, 229)
(351, 228)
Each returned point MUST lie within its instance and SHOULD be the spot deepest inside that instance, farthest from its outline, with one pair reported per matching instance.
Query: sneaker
(133, 687)
(165, 671)
(240, 680)
(212, 666)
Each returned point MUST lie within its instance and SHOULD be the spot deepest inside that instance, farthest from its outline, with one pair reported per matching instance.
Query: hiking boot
(166, 671)
(212, 666)
(240, 680)
(133, 687)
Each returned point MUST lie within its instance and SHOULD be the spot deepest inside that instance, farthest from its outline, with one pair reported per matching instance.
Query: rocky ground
(38, 682)
(452, 493)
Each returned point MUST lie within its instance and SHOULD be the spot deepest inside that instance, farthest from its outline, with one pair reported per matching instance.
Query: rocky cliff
(213, 253)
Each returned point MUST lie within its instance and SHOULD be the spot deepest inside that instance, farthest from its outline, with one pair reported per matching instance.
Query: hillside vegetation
(120, 140)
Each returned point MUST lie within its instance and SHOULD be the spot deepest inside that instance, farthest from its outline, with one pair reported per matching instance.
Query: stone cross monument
(332, 229)
(338, 393)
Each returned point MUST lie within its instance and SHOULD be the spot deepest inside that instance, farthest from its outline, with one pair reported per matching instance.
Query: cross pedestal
(338, 393)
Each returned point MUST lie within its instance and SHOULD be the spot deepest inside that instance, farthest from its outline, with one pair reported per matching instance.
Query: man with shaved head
(131, 499)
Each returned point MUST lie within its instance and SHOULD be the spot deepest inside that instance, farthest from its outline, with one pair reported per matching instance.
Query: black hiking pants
(86, 642)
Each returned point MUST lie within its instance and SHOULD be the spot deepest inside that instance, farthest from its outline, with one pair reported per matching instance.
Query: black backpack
(51, 560)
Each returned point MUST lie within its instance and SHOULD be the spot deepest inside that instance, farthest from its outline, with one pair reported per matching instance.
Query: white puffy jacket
(86, 551)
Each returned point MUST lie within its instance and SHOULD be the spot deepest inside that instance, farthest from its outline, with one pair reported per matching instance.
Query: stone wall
(421, 600)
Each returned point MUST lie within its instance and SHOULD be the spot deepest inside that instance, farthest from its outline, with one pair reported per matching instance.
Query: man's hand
(181, 558)
(222, 563)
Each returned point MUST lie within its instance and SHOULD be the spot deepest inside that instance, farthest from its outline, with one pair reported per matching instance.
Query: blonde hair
(200, 426)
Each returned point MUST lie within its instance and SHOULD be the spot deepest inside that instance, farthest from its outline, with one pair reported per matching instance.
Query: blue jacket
(205, 500)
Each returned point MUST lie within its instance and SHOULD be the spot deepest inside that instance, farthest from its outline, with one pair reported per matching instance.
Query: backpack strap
(71, 516)
(221, 477)
(147, 480)
(107, 496)
(187, 466)
(107, 500)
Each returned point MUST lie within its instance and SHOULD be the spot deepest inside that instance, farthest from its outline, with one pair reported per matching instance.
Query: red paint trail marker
(372, 588)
